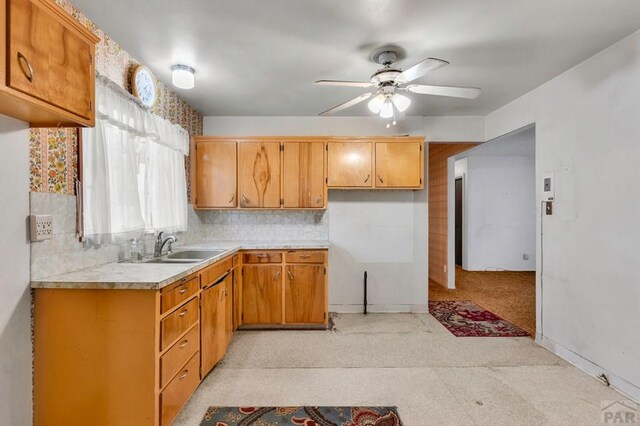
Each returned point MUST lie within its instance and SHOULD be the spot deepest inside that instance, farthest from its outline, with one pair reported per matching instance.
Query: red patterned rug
(464, 318)
(303, 416)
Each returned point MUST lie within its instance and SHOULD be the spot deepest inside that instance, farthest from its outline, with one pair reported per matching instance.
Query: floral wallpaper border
(54, 151)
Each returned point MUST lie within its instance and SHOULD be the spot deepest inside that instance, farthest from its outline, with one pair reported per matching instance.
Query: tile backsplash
(65, 253)
(255, 225)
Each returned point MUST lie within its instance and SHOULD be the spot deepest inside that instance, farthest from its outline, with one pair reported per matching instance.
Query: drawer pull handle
(184, 374)
(367, 179)
(276, 276)
(184, 290)
(262, 256)
(319, 199)
(305, 256)
(233, 196)
(290, 275)
(183, 344)
(245, 201)
(183, 313)
(381, 181)
(25, 67)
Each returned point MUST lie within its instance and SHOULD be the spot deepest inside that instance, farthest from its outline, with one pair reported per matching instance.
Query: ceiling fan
(390, 81)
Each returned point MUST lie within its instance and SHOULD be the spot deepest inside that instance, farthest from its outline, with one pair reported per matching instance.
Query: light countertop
(154, 276)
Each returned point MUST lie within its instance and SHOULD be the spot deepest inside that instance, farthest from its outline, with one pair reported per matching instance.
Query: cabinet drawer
(178, 322)
(176, 394)
(178, 292)
(263, 257)
(179, 353)
(300, 256)
(215, 271)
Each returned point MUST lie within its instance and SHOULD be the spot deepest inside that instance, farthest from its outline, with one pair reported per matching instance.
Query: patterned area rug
(305, 416)
(464, 318)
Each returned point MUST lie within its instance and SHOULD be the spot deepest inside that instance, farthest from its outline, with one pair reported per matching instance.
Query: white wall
(588, 133)
(500, 209)
(15, 303)
(382, 232)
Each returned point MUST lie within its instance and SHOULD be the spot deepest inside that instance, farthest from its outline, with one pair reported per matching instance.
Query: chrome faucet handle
(170, 241)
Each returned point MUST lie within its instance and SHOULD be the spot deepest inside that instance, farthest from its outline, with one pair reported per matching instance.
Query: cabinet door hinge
(324, 316)
(326, 147)
(282, 147)
(282, 201)
(242, 316)
(90, 59)
(325, 271)
(420, 181)
(90, 106)
(326, 180)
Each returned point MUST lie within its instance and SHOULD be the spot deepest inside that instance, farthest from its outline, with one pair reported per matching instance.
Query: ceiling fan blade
(450, 91)
(344, 83)
(347, 104)
(420, 69)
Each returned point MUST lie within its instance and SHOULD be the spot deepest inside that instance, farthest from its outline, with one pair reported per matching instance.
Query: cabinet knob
(184, 374)
(183, 291)
(183, 344)
(25, 67)
(183, 313)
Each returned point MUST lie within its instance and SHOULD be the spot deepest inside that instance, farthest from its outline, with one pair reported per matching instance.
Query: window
(133, 169)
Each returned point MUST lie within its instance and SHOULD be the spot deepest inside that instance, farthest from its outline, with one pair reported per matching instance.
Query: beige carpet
(510, 295)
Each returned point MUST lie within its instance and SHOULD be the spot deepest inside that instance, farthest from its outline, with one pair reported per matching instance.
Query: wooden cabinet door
(216, 184)
(237, 297)
(262, 294)
(399, 165)
(213, 338)
(303, 172)
(349, 164)
(228, 310)
(304, 294)
(259, 174)
(47, 59)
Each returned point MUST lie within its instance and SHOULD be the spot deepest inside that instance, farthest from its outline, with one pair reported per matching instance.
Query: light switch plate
(41, 227)
(548, 191)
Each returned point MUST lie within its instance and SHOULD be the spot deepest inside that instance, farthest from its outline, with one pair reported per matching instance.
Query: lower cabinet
(214, 338)
(178, 391)
(262, 294)
(304, 294)
(285, 288)
(134, 357)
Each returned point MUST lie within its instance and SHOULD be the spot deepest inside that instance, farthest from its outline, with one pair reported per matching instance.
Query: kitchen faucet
(160, 243)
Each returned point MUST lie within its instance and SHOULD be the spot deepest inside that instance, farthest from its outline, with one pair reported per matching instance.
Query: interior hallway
(510, 295)
(406, 360)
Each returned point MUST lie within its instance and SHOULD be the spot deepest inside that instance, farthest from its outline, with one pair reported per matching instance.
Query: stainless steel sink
(194, 254)
(174, 261)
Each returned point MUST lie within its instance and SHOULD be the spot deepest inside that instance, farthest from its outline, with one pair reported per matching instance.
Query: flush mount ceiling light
(182, 76)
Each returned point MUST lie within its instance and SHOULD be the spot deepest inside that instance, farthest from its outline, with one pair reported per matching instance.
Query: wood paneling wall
(438, 238)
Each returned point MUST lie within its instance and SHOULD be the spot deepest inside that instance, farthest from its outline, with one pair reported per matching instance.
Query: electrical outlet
(41, 227)
(525, 256)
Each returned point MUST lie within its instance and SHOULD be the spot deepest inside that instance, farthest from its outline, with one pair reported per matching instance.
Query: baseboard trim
(616, 382)
(372, 308)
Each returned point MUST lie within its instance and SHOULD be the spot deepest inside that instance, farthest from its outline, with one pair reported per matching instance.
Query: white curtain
(133, 169)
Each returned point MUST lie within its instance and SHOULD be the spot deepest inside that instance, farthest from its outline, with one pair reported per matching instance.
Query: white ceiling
(258, 57)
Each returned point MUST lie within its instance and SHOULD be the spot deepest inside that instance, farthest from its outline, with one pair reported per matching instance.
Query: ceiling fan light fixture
(401, 102)
(182, 76)
(375, 104)
(387, 109)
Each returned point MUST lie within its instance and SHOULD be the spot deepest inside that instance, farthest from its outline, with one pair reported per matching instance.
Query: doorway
(458, 220)
(492, 232)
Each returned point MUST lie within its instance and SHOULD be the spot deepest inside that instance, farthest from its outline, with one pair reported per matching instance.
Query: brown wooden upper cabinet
(216, 182)
(349, 164)
(259, 174)
(399, 165)
(303, 175)
(47, 71)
